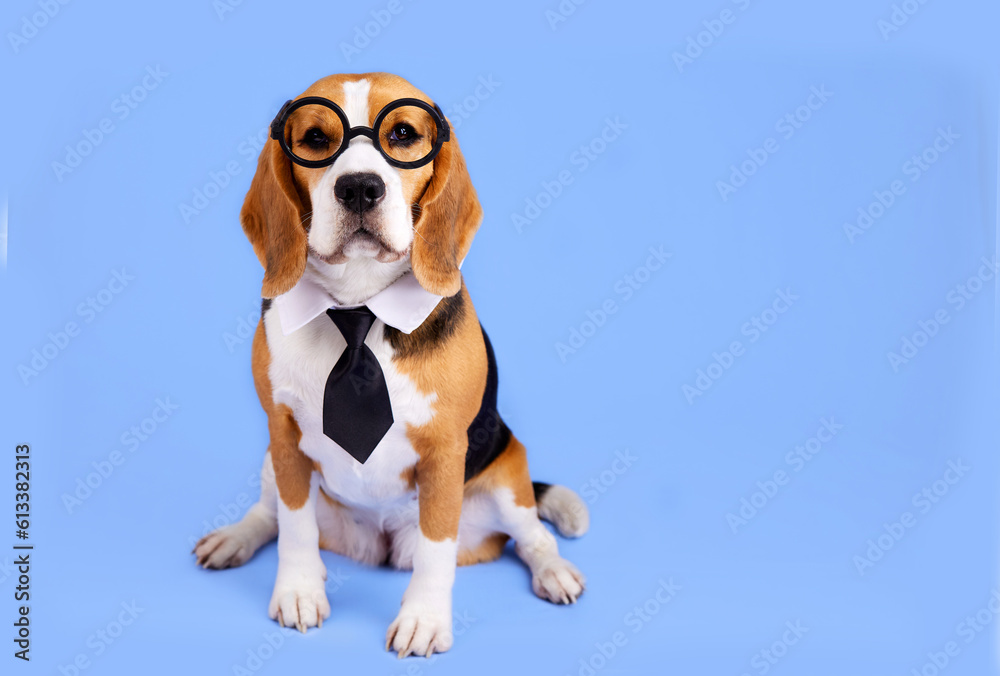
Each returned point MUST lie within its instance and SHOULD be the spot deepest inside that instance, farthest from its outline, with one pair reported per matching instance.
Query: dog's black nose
(359, 192)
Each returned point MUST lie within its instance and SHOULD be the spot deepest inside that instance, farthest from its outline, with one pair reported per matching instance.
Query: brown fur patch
(272, 220)
(457, 375)
(292, 468)
(448, 217)
(509, 470)
(488, 550)
(260, 363)
(409, 477)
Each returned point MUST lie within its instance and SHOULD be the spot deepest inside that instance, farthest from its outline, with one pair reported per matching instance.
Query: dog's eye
(403, 134)
(315, 138)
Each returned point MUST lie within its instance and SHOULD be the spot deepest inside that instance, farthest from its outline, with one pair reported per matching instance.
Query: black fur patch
(436, 329)
(488, 435)
(265, 305)
(540, 488)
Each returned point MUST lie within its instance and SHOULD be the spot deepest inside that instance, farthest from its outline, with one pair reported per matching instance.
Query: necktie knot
(354, 324)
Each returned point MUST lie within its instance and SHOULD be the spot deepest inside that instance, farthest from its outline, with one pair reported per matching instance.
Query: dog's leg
(553, 578)
(233, 545)
(423, 625)
(299, 598)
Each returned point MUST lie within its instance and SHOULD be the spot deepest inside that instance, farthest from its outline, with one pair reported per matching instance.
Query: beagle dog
(447, 483)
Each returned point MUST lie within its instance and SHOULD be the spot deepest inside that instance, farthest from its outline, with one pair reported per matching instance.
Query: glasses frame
(350, 133)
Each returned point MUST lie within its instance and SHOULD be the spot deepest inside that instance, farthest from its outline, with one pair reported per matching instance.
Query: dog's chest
(300, 365)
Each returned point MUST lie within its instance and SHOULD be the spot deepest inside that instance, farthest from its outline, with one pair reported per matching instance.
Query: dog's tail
(563, 508)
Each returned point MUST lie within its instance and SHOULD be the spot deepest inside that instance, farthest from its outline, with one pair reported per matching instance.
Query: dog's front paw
(299, 601)
(419, 630)
(558, 581)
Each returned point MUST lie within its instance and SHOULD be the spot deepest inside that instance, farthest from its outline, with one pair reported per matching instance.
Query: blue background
(174, 331)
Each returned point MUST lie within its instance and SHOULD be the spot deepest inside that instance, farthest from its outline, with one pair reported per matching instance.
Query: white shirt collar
(403, 305)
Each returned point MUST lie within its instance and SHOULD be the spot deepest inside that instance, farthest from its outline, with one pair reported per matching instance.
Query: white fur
(356, 102)
(423, 625)
(299, 596)
(552, 577)
(565, 510)
(356, 281)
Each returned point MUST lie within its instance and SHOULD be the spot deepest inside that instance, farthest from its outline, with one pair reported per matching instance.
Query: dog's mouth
(361, 242)
(364, 242)
(366, 238)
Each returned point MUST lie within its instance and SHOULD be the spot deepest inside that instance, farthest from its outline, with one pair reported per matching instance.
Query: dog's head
(361, 205)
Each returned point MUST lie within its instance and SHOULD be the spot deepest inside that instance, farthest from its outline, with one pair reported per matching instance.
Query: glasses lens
(407, 133)
(314, 132)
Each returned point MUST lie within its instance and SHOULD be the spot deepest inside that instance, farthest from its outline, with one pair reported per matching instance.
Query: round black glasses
(314, 131)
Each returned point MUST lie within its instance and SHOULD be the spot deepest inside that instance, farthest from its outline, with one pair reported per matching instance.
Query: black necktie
(356, 409)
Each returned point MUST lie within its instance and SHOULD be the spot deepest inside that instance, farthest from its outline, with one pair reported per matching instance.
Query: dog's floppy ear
(272, 220)
(449, 215)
